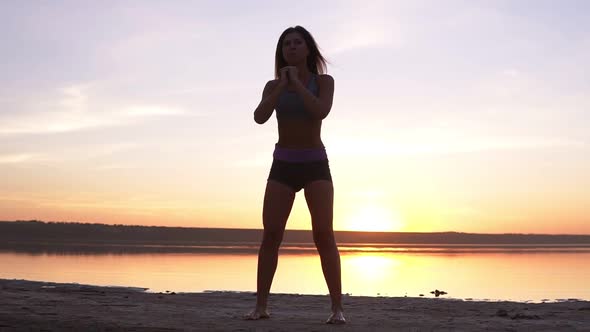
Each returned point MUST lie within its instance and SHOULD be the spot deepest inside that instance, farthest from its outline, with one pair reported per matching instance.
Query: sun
(374, 218)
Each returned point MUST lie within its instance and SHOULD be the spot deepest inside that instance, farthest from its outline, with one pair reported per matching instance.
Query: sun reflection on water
(370, 271)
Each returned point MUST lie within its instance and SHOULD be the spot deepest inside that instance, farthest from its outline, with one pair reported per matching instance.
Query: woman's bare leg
(320, 201)
(278, 201)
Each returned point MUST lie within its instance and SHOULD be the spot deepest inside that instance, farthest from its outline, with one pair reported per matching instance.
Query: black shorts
(297, 174)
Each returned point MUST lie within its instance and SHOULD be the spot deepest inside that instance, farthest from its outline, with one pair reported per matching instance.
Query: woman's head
(296, 45)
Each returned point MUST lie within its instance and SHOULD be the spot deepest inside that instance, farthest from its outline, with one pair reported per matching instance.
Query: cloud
(371, 25)
(68, 154)
(444, 144)
(361, 37)
(16, 158)
(110, 167)
(77, 108)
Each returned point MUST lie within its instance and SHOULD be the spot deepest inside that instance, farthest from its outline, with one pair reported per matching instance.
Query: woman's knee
(272, 237)
(323, 238)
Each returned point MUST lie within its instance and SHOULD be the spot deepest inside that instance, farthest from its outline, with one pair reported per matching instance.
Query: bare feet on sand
(257, 314)
(336, 318)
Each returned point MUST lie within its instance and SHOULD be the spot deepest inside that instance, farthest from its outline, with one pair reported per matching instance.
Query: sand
(43, 306)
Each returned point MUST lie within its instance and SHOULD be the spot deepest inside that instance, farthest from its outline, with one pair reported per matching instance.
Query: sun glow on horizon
(374, 218)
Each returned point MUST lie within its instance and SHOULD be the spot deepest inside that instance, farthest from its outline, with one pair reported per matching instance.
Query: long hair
(316, 63)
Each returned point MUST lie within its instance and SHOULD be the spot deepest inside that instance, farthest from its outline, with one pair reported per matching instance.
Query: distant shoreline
(148, 227)
(55, 236)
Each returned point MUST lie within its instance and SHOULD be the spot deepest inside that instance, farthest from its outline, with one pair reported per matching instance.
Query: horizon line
(260, 229)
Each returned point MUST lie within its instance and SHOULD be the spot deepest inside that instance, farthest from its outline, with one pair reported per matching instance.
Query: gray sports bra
(290, 105)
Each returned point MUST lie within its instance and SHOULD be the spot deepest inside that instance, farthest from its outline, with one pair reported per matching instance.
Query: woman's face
(294, 48)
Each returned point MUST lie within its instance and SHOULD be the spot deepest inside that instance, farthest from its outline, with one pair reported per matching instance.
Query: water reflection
(292, 248)
(371, 273)
(508, 276)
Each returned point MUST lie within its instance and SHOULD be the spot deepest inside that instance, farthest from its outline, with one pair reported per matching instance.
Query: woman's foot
(257, 314)
(337, 317)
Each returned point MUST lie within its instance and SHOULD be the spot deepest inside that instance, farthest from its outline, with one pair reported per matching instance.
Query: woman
(302, 96)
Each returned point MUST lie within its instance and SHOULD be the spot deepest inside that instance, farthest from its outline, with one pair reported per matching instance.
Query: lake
(486, 274)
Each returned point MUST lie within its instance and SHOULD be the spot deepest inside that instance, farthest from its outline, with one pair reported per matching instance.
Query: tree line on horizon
(37, 231)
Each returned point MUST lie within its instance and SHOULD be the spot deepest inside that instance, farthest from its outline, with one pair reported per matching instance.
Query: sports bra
(290, 104)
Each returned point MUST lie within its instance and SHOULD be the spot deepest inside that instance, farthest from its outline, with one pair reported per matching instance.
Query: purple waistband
(300, 155)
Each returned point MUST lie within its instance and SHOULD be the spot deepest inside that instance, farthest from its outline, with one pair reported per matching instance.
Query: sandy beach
(43, 306)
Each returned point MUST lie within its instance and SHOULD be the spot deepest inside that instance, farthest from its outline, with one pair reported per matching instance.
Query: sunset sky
(466, 116)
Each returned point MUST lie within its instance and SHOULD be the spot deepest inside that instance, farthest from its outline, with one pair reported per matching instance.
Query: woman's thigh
(278, 202)
(319, 196)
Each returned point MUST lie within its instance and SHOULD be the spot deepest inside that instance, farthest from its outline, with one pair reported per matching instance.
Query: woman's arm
(270, 97)
(320, 106)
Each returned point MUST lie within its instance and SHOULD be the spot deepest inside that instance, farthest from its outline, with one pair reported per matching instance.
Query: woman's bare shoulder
(326, 77)
(270, 85)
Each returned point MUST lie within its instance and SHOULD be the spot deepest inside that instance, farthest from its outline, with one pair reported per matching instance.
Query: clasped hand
(289, 74)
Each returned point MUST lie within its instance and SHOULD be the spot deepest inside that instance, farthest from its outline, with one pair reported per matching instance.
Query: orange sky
(467, 117)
